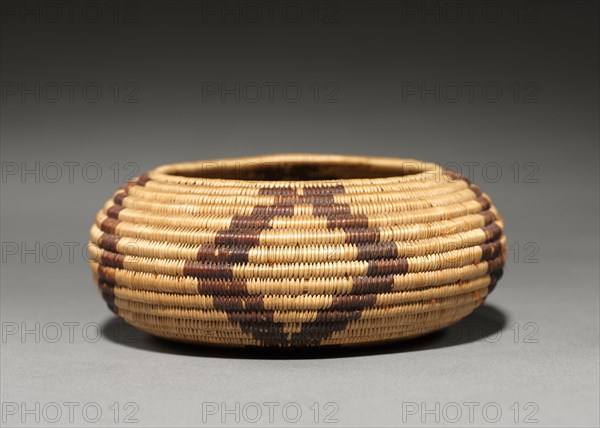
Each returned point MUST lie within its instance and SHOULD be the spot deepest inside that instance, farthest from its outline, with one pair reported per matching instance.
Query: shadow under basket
(297, 250)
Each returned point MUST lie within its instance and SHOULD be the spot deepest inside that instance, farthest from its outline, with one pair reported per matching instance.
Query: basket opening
(298, 170)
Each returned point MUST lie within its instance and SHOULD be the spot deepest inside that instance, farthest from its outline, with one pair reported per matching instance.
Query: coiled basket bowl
(296, 250)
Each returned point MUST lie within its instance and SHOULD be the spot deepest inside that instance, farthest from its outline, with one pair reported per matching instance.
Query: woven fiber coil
(296, 250)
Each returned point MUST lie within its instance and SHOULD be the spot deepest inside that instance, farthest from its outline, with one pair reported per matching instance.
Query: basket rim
(176, 172)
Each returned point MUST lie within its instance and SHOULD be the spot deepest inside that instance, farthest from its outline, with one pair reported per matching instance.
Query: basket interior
(297, 170)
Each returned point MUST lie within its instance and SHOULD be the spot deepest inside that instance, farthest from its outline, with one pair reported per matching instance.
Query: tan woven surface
(296, 250)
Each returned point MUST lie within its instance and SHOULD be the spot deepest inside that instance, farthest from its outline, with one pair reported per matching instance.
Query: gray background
(534, 343)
